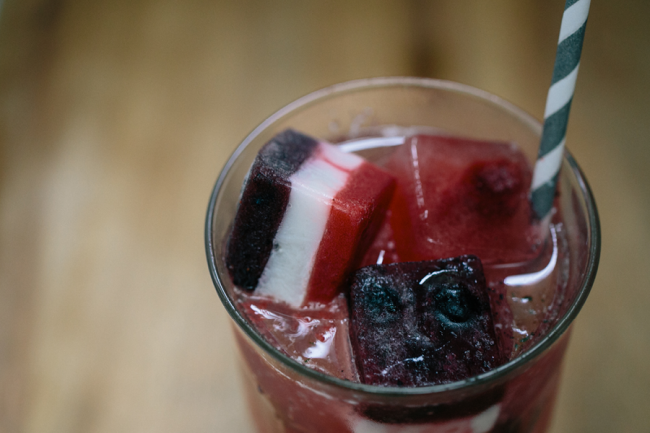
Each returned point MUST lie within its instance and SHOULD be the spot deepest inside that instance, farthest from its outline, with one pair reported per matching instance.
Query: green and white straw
(558, 104)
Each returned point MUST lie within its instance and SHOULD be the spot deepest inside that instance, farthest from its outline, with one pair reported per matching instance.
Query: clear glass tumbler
(285, 395)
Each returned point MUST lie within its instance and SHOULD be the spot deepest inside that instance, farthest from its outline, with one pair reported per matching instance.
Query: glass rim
(487, 378)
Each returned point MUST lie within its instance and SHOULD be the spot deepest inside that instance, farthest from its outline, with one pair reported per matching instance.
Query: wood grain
(116, 116)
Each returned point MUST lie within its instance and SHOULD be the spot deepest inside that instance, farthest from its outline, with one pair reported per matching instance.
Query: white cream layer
(296, 242)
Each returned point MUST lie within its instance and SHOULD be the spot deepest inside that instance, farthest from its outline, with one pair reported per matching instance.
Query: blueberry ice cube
(422, 323)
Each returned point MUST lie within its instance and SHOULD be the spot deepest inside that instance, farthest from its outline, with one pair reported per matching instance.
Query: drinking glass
(286, 396)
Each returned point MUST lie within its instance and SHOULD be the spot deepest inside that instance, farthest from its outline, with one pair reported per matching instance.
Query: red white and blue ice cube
(307, 213)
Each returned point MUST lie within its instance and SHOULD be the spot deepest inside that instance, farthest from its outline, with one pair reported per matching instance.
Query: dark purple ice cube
(422, 323)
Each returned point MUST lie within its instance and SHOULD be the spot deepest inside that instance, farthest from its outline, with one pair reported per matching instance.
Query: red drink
(298, 361)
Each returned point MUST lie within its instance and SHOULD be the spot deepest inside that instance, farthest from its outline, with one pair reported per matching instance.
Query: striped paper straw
(558, 104)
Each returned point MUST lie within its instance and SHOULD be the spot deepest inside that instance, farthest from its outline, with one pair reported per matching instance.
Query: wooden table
(116, 117)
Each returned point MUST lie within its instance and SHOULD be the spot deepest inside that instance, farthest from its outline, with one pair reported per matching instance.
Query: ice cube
(307, 213)
(316, 337)
(460, 196)
(422, 323)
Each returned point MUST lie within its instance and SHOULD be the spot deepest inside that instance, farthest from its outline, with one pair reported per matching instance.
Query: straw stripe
(560, 93)
(558, 105)
(575, 16)
(542, 197)
(568, 54)
(554, 131)
(547, 164)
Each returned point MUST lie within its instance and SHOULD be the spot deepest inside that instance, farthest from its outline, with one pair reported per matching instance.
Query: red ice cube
(459, 196)
(422, 323)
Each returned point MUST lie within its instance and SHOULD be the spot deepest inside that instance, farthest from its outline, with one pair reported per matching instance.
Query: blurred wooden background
(117, 115)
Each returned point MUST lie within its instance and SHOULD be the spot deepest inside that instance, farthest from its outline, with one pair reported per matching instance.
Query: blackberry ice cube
(307, 213)
(422, 323)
